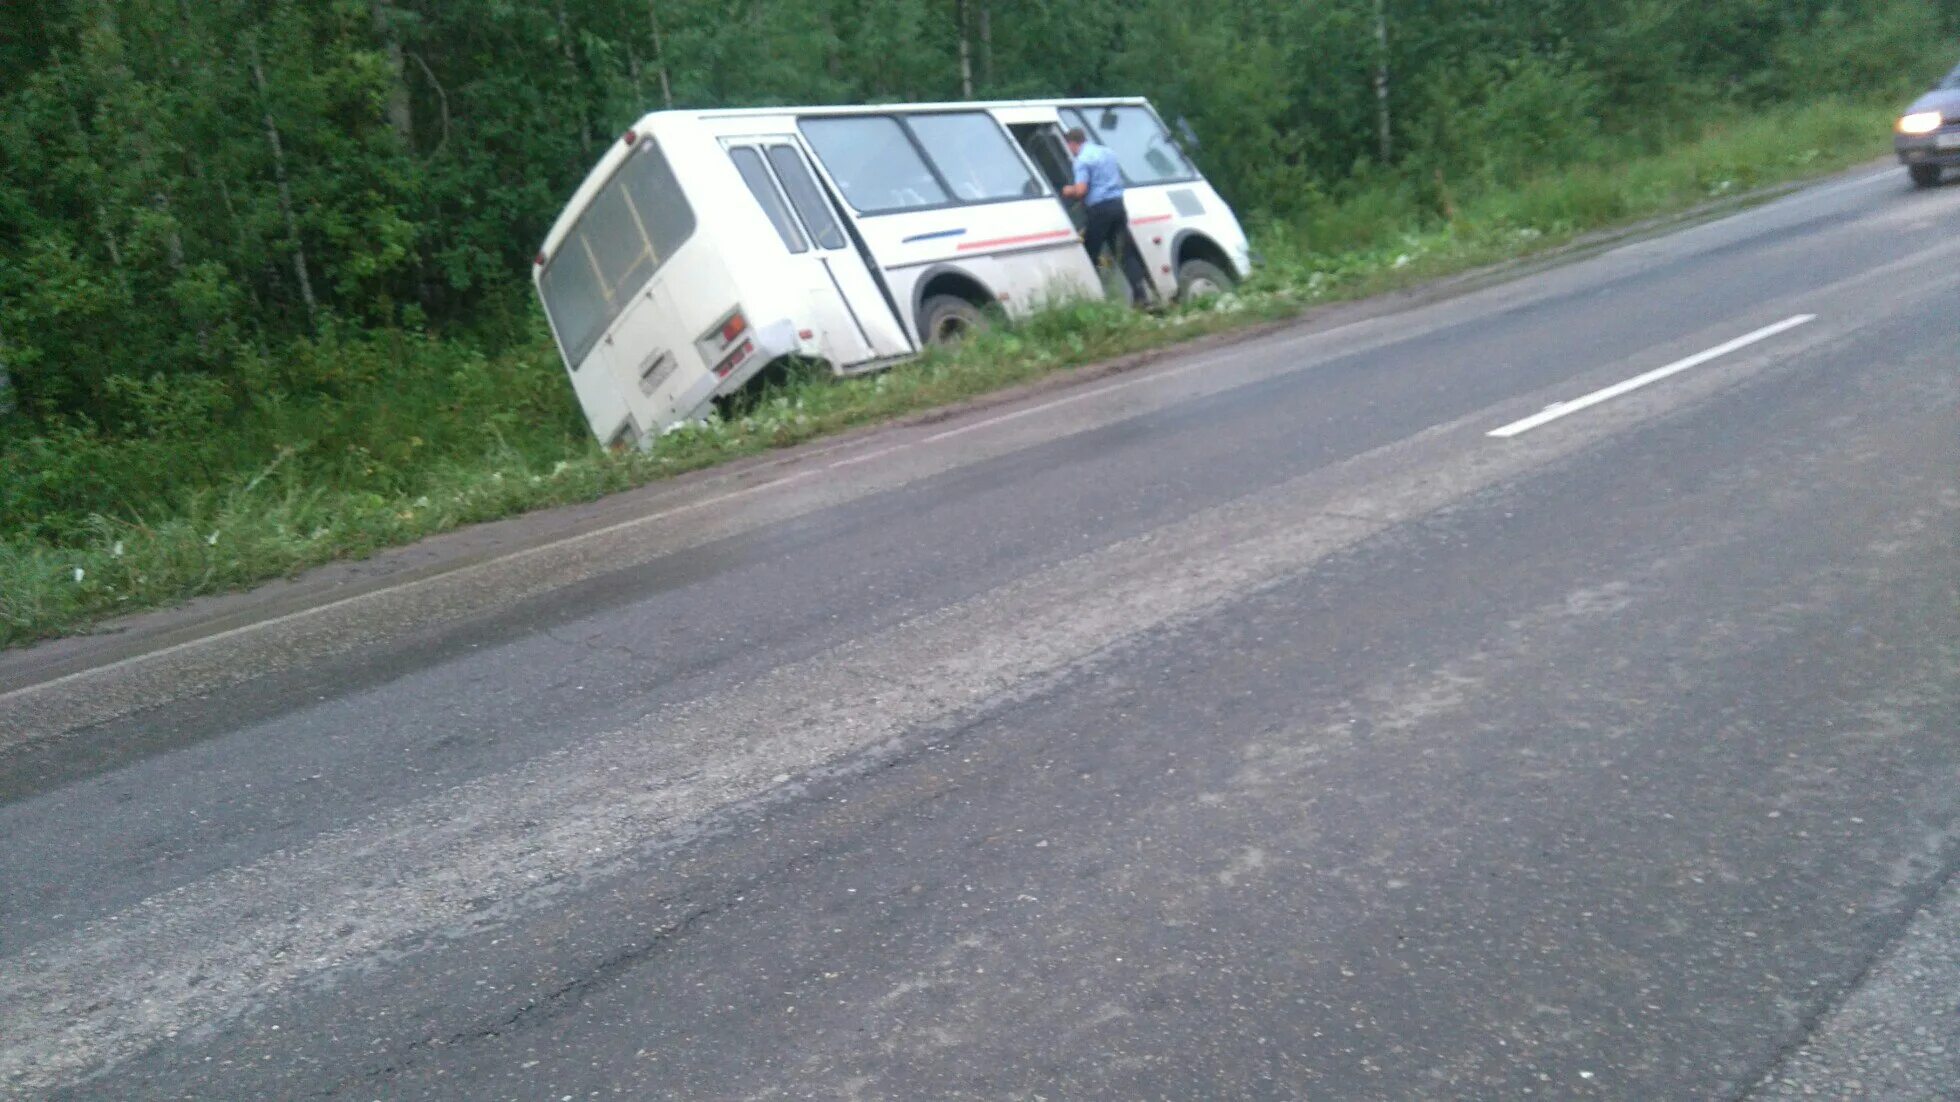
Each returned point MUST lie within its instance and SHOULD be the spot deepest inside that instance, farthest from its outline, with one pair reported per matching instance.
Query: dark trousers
(1109, 228)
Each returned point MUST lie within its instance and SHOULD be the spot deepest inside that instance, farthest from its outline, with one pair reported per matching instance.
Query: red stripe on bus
(1152, 218)
(1026, 238)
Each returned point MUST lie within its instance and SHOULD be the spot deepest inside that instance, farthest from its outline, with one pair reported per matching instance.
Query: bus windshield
(630, 228)
(1147, 154)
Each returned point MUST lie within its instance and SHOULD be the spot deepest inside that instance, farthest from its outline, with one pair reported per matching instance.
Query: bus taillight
(629, 137)
(729, 333)
(733, 360)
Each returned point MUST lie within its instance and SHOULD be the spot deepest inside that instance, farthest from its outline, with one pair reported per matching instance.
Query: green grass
(357, 442)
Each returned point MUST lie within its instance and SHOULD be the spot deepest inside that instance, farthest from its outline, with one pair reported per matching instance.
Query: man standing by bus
(1099, 184)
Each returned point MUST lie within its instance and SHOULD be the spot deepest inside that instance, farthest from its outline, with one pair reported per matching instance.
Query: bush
(1499, 120)
(1878, 46)
(359, 410)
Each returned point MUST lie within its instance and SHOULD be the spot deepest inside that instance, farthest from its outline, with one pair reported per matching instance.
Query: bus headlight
(1921, 122)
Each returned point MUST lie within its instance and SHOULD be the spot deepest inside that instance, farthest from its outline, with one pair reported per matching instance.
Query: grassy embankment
(376, 440)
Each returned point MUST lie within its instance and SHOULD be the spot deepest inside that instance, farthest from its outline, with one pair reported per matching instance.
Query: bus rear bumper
(765, 345)
(759, 349)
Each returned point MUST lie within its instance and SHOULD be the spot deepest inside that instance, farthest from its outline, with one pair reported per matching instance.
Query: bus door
(1040, 136)
(1151, 164)
(1042, 142)
(859, 322)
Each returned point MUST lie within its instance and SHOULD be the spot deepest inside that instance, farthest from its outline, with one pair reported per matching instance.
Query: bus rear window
(628, 230)
(1146, 154)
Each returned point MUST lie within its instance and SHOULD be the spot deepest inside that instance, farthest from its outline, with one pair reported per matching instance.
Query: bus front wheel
(1201, 279)
(947, 320)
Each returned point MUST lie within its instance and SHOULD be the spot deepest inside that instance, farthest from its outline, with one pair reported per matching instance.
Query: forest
(284, 244)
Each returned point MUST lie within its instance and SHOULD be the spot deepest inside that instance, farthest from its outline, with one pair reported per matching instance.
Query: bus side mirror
(1186, 136)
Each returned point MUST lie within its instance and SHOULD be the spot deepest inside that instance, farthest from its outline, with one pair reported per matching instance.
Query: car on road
(1928, 139)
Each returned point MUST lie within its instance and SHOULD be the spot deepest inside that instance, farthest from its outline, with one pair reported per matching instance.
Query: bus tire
(1201, 279)
(1924, 175)
(946, 320)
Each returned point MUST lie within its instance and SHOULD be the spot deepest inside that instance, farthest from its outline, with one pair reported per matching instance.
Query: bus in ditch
(706, 245)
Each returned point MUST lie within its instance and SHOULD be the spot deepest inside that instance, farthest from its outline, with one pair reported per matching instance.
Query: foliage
(1498, 119)
(1852, 49)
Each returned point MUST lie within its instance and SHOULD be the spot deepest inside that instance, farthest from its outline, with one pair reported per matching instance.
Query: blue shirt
(1096, 166)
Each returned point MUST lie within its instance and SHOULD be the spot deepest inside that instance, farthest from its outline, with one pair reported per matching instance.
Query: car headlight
(1921, 122)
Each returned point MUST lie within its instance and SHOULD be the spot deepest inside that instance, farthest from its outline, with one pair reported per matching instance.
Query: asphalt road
(1254, 723)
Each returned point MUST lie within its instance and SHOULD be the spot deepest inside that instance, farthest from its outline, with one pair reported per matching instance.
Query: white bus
(706, 245)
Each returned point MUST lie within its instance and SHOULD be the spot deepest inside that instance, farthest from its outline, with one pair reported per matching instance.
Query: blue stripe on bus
(932, 235)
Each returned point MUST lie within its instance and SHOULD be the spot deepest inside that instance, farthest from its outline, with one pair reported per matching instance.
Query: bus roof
(907, 108)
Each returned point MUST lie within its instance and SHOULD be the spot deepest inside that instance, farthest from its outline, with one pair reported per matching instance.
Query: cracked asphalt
(1248, 724)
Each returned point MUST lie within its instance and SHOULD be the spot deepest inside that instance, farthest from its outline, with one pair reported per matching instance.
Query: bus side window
(749, 163)
(974, 156)
(804, 196)
(873, 162)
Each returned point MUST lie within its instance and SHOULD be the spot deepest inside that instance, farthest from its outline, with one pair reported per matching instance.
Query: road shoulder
(1896, 1034)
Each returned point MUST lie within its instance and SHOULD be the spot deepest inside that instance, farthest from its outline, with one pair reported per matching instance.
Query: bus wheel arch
(1203, 267)
(949, 305)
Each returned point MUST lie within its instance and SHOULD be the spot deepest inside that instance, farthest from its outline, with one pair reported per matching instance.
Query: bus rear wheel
(947, 320)
(1198, 280)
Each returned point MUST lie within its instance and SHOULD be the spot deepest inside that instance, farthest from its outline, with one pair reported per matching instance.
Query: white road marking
(355, 598)
(1849, 184)
(865, 457)
(1083, 396)
(1560, 409)
(1155, 376)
